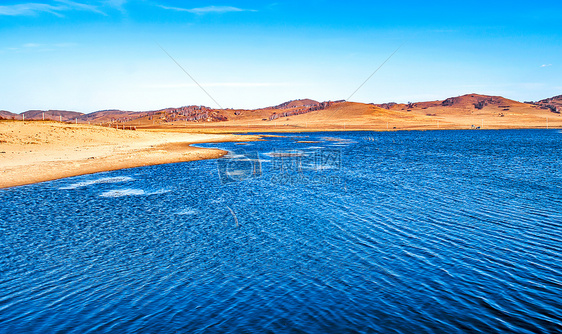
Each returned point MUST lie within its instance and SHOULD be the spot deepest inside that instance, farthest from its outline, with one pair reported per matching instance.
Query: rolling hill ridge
(468, 110)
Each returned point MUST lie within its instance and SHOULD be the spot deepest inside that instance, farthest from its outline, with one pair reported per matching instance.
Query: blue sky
(93, 55)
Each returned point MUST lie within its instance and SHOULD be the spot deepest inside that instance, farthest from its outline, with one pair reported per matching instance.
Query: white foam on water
(123, 193)
(231, 155)
(131, 192)
(322, 167)
(244, 158)
(83, 184)
(237, 172)
(331, 139)
(285, 154)
(340, 141)
(187, 212)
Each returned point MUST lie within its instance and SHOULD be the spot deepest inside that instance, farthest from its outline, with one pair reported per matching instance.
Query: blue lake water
(400, 232)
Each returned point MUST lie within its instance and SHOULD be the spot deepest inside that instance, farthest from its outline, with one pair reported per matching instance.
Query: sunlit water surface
(405, 232)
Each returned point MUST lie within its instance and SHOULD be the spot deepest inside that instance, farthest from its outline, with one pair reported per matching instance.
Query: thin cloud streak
(80, 6)
(58, 7)
(208, 9)
(35, 47)
(117, 4)
(31, 9)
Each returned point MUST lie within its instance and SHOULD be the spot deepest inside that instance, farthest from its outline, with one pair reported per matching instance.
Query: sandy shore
(32, 152)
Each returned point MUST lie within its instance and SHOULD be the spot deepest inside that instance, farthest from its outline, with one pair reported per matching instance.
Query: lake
(340, 232)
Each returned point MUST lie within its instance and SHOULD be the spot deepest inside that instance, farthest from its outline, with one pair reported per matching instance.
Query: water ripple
(425, 232)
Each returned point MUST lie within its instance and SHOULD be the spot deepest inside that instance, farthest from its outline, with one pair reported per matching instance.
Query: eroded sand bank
(32, 152)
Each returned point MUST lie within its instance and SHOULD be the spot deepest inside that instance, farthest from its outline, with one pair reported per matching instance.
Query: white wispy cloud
(546, 65)
(208, 9)
(56, 8)
(29, 9)
(116, 4)
(80, 6)
(36, 47)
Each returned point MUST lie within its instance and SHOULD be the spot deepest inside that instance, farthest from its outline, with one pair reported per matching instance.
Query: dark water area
(396, 232)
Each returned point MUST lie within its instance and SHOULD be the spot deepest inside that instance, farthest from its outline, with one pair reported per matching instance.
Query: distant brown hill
(8, 115)
(468, 102)
(552, 99)
(296, 104)
(54, 115)
(201, 114)
(460, 111)
(111, 115)
(554, 104)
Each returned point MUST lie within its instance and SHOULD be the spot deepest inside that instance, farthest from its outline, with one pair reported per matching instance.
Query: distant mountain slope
(554, 104)
(8, 115)
(55, 115)
(296, 104)
(469, 108)
(111, 115)
(476, 110)
(557, 99)
(468, 102)
(206, 114)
